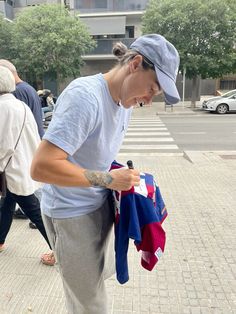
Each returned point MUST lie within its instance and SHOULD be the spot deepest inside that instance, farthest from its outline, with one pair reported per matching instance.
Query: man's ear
(135, 63)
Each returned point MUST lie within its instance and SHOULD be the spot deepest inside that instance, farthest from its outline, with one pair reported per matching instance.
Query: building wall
(208, 87)
(91, 67)
(7, 10)
(97, 66)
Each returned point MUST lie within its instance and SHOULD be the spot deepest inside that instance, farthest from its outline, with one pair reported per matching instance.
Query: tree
(204, 33)
(48, 40)
(5, 35)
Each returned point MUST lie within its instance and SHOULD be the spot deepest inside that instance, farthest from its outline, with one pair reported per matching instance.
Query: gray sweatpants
(84, 250)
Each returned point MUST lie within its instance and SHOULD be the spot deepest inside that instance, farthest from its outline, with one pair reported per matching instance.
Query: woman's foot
(48, 259)
(2, 247)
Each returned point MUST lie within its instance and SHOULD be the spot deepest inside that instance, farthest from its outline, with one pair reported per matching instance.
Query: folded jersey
(139, 216)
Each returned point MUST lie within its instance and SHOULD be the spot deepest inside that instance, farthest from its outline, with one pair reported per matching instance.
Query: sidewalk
(197, 271)
(159, 108)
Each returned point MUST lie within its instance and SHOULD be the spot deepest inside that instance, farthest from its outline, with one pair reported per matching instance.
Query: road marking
(146, 129)
(143, 119)
(130, 133)
(148, 137)
(157, 139)
(145, 147)
(154, 154)
(146, 124)
(189, 133)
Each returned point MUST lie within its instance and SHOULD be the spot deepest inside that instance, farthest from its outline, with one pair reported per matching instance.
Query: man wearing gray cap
(74, 160)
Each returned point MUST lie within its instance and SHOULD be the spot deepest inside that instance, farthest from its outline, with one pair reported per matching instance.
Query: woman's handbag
(3, 180)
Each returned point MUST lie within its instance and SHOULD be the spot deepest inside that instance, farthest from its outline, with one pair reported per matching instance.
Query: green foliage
(204, 33)
(5, 36)
(48, 40)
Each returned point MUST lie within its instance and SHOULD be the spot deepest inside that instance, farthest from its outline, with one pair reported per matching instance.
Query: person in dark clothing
(26, 93)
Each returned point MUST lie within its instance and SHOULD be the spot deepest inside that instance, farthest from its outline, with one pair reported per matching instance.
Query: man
(75, 155)
(29, 96)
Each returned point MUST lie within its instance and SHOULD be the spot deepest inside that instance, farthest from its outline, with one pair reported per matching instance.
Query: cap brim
(168, 86)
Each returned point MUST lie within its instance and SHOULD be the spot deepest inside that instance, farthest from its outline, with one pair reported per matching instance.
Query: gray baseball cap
(165, 59)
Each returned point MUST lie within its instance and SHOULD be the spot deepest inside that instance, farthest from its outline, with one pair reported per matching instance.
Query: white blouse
(11, 120)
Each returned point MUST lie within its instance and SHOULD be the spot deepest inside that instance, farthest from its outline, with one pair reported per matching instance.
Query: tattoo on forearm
(98, 178)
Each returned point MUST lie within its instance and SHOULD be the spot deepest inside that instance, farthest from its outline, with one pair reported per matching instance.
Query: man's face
(139, 86)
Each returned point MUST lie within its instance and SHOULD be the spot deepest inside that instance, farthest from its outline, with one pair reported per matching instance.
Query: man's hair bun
(119, 50)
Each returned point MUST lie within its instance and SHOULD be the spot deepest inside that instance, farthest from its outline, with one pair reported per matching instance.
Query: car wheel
(222, 108)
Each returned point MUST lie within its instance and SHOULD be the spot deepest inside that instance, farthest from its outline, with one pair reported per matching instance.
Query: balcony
(93, 6)
(104, 46)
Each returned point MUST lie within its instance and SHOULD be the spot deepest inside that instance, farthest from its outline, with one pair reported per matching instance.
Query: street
(173, 133)
(203, 131)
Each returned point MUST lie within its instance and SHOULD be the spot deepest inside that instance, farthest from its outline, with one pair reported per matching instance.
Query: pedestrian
(74, 158)
(26, 93)
(19, 140)
(47, 102)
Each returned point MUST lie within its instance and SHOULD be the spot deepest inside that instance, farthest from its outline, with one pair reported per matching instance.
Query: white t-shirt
(18, 170)
(89, 126)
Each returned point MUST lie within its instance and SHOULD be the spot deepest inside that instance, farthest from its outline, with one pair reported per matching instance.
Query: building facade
(110, 21)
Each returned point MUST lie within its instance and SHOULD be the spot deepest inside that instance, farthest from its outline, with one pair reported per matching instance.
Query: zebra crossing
(148, 137)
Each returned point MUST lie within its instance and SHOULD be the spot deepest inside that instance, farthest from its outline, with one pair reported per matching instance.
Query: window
(129, 31)
(92, 4)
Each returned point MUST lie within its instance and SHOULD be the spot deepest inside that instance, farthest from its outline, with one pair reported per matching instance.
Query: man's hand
(118, 179)
(124, 179)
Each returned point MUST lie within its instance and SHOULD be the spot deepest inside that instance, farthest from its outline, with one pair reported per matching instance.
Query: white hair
(7, 64)
(7, 81)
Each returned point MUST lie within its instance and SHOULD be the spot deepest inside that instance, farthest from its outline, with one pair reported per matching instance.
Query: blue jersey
(139, 216)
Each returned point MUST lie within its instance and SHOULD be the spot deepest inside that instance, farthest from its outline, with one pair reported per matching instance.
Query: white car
(221, 104)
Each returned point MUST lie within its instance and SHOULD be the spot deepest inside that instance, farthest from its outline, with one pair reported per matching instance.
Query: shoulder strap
(18, 137)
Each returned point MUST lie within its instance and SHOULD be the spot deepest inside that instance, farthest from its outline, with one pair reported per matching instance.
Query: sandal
(48, 259)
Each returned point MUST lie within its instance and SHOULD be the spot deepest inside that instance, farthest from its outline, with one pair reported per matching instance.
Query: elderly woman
(18, 141)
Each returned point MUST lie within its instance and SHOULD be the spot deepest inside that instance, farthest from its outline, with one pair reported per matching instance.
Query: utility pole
(184, 77)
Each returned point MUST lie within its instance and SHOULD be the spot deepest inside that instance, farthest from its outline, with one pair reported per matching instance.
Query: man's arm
(50, 165)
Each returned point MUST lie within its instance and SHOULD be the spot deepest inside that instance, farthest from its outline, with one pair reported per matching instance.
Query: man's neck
(114, 81)
(17, 79)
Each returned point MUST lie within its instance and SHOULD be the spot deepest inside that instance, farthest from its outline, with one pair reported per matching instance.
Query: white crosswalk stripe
(143, 133)
(148, 137)
(149, 147)
(146, 129)
(143, 139)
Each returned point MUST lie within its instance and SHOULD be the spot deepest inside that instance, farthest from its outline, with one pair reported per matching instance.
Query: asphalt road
(204, 131)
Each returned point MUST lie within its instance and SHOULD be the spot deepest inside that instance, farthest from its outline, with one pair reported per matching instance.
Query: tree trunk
(194, 92)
